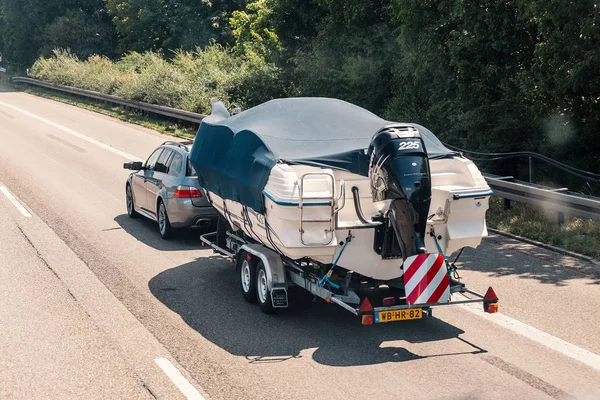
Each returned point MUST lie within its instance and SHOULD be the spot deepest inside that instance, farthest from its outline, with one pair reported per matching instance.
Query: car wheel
(130, 205)
(164, 226)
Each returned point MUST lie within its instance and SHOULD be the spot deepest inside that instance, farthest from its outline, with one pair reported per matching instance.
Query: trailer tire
(247, 275)
(263, 294)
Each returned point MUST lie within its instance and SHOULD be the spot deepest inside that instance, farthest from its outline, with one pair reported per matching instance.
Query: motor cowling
(400, 175)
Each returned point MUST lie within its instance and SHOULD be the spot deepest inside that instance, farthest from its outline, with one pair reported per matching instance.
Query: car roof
(182, 146)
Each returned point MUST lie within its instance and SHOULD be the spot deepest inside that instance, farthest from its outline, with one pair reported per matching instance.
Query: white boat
(323, 180)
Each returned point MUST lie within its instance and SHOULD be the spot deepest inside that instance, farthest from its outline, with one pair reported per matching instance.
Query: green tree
(32, 27)
(171, 24)
(564, 81)
(461, 70)
(253, 32)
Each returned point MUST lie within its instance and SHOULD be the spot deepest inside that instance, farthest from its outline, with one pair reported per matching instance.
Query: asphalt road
(92, 299)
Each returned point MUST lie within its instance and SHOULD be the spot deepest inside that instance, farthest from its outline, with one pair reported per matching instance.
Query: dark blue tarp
(233, 156)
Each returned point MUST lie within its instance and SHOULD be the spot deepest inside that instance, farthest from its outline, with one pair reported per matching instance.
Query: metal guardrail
(151, 108)
(560, 201)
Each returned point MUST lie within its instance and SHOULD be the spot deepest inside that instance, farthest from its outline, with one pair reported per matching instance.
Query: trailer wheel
(247, 274)
(263, 295)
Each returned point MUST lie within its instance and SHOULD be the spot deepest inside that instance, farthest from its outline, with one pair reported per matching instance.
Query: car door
(138, 184)
(154, 179)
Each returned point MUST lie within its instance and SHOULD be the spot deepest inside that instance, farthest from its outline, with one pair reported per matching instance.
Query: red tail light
(186, 192)
(366, 306)
(195, 193)
(490, 301)
(388, 302)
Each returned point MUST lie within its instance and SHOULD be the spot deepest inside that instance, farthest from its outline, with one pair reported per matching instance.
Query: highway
(96, 305)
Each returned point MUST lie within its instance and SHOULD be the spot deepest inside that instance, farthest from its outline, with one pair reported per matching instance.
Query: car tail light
(182, 192)
(186, 192)
(195, 193)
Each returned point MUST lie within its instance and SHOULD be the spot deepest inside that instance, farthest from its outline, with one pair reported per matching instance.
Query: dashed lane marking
(71, 132)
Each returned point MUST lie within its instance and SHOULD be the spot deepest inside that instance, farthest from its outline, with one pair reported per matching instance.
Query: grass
(162, 125)
(575, 234)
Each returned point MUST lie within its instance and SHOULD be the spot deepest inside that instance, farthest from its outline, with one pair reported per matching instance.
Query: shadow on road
(500, 256)
(146, 231)
(205, 294)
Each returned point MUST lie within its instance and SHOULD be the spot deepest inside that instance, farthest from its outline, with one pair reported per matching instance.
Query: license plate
(398, 315)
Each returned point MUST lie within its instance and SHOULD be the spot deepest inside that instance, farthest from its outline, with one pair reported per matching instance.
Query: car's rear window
(190, 171)
(176, 164)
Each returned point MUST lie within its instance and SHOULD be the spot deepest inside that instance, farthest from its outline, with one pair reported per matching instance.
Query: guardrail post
(530, 170)
(507, 204)
(560, 218)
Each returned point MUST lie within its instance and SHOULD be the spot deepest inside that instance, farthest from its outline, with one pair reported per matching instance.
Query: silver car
(165, 189)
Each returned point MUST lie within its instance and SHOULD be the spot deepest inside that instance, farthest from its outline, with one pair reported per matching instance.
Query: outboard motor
(400, 175)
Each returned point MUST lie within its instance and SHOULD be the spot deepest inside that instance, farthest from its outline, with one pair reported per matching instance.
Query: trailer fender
(272, 262)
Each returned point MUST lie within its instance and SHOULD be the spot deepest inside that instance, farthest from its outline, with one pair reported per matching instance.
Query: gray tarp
(233, 156)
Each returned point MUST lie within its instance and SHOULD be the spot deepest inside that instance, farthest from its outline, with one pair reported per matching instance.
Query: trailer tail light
(490, 301)
(186, 192)
(388, 302)
(367, 320)
(366, 307)
(492, 308)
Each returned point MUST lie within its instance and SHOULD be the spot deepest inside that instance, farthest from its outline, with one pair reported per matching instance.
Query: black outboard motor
(399, 171)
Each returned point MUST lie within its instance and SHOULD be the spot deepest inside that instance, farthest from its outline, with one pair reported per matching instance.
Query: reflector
(366, 306)
(490, 296)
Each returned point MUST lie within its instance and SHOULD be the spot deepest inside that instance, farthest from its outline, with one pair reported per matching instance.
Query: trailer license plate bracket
(279, 297)
(398, 315)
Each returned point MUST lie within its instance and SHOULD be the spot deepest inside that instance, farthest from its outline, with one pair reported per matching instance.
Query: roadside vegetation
(575, 234)
(188, 81)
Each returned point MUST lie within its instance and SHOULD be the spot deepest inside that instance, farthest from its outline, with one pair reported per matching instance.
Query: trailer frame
(283, 273)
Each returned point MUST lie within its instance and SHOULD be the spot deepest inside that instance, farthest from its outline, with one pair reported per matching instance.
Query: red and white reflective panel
(426, 279)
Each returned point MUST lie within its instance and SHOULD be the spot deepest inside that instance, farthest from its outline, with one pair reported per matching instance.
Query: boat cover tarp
(233, 155)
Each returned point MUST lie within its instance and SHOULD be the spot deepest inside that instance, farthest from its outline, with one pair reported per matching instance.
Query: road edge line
(561, 346)
(15, 201)
(188, 390)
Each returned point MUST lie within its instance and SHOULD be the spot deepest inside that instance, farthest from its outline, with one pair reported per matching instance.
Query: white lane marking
(545, 339)
(15, 202)
(189, 391)
(72, 132)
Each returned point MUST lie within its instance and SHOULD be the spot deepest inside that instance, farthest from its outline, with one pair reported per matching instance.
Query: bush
(189, 81)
